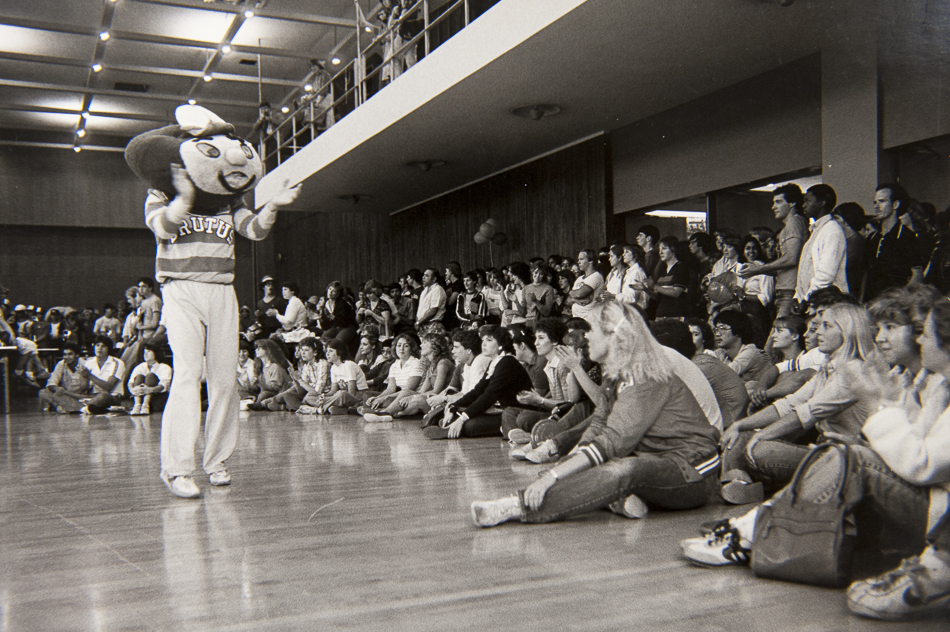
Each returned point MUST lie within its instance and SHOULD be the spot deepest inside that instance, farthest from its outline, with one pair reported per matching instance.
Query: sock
(745, 525)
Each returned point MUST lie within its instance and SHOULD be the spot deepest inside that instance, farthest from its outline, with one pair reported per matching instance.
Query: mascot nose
(235, 156)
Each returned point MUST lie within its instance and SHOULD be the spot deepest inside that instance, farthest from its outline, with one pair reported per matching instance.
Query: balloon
(480, 239)
(719, 293)
(492, 222)
(486, 230)
(500, 239)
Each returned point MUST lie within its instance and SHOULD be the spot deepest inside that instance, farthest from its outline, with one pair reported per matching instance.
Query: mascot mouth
(236, 181)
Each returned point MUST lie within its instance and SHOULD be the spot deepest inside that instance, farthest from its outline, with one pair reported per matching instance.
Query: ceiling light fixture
(104, 35)
(77, 148)
(426, 165)
(308, 88)
(248, 14)
(207, 78)
(285, 109)
(536, 112)
(355, 198)
(191, 101)
(226, 49)
(80, 132)
(96, 67)
(335, 61)
(85, 115)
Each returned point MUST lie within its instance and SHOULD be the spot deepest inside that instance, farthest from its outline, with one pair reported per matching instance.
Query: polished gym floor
(333, 523)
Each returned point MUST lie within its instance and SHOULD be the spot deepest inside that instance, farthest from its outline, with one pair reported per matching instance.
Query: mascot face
(221, 164)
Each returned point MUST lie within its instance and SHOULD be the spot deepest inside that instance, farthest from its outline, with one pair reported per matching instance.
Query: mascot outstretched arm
(198, 172)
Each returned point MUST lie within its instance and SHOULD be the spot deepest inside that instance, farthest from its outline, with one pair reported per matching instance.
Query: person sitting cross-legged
(65, 387)
(308, 383)
(105, 373)
(656, 447)
(348, 386)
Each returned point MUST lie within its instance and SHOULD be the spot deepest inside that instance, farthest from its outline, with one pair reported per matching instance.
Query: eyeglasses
(723, 329)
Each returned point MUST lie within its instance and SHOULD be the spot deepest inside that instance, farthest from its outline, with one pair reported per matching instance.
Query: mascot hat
(222, 166)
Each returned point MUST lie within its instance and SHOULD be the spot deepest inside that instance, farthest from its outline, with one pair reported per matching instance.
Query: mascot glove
(199, 121)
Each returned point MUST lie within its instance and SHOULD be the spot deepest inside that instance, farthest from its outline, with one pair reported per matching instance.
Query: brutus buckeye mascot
(198, 172)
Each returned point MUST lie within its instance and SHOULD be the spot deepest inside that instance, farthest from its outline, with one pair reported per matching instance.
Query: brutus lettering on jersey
(220, 227)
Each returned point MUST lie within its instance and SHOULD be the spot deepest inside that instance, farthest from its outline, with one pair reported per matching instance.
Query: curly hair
(440, 346)
(410, 340)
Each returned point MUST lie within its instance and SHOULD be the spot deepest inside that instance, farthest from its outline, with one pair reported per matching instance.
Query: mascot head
(222, 166)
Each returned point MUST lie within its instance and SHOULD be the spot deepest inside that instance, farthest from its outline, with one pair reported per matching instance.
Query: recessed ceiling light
(248, 14)
(80, 133)
(226, 49)
(335, 61)
(96, 67)
(77, 148)
(191, 101)
(207, 77)
(104, 35)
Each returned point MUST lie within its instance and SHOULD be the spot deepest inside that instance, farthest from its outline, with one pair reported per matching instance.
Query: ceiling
(155, 58)
(606, 64)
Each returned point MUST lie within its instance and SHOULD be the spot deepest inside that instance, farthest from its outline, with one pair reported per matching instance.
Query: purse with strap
(805, 541)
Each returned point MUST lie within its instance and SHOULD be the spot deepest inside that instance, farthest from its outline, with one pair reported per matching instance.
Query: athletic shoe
(907, 592)
(220, 478)
(740, 493)
(718, 549)
(338, 410)
(181, 486)
(306, 410)
(519, 453)
(714, 526)
(489, 513)
(377, 418)
(544, 453)
(519, 436)
(629, 507)
(547, 429)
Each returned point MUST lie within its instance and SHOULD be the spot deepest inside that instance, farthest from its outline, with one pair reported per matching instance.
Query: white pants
(202, 323)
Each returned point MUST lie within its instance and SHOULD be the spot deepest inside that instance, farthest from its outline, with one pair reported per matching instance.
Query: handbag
(805, 541)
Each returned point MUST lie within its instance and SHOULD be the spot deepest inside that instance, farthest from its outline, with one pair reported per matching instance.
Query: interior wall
(556, 204)
(752, 130)
(58, 187)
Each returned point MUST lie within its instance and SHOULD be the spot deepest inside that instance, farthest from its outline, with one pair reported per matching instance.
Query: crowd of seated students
(652, 375)
(656, 376)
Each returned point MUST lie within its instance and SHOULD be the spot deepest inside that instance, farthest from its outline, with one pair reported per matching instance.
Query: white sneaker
(629, 507)
(219, 479)
(136, 410)
(489, 513)
(181, 486)
(720, 548)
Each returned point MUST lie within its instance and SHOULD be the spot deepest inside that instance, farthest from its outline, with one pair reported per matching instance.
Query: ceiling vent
(131, 87)
(248, 62)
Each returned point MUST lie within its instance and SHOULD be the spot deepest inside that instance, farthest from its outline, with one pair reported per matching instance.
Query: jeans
(523, 418)
(887, 498)
(658, 481)
(784, 302)
(775, 461)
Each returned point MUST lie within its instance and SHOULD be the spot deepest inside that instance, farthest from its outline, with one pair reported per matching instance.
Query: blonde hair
(634, 354)
(857, 332)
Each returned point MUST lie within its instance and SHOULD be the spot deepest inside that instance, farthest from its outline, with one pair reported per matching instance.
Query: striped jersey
(202, 247)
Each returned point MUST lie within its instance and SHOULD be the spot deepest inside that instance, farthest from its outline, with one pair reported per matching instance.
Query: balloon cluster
(487, 233)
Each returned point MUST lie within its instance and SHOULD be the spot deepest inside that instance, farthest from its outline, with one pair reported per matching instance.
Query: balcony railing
(353, 84)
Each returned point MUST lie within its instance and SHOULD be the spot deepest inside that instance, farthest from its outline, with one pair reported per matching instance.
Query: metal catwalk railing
(308, 121)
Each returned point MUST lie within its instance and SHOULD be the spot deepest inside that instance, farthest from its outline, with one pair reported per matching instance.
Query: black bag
(808, 542)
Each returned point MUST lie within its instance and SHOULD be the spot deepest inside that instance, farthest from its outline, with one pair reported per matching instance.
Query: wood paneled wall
(555, 204)
(87, 267)
(58, 187)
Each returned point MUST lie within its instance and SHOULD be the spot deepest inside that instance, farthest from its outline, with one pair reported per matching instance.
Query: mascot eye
(246, 150)
(208, 150)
